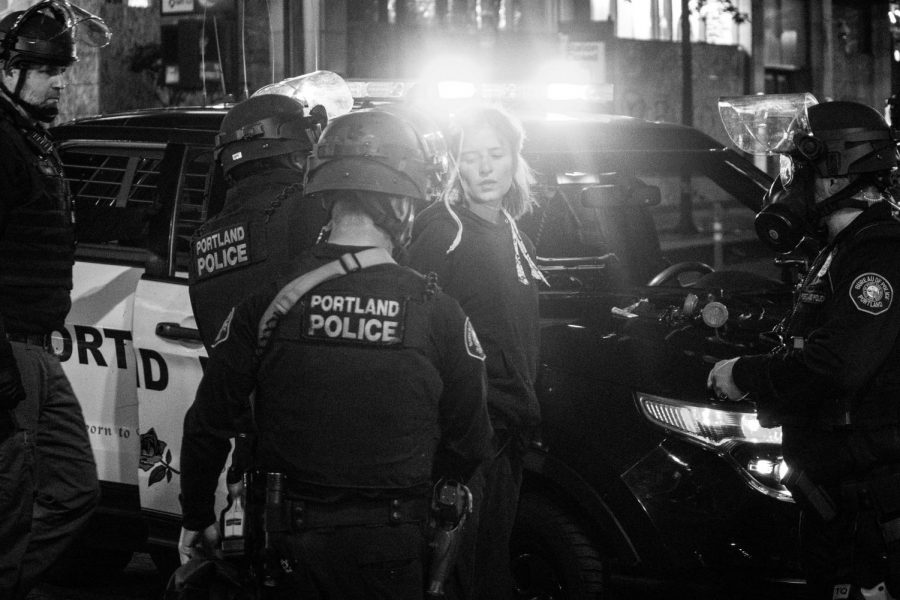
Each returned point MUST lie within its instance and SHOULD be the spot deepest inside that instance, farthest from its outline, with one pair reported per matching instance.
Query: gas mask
(789, 210)
(832, 140)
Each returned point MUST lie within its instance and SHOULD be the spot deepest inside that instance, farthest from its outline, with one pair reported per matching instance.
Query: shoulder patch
(473, 346)
(871, 293)
(224, 330)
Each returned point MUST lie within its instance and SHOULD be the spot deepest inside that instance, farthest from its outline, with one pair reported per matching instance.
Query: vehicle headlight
(709, 425)
(734, 434)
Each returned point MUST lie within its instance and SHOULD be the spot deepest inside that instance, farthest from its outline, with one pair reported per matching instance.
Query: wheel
(678, 274)
(552, 556)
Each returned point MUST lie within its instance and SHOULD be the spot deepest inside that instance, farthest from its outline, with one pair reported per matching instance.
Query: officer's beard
(44, 114)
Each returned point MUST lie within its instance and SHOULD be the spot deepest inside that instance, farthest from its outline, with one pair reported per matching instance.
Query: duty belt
(44, 340)
(310, 515)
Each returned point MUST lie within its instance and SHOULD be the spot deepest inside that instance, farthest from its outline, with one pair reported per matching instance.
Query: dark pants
(483, 567)
(847, 552)
(377, 562)
(48, 478)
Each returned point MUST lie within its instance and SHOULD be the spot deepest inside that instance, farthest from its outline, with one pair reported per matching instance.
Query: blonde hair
(518, 199)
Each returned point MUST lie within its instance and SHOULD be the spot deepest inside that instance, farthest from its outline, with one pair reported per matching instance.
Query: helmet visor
(324, 88)
(765, 124)
(89, 29)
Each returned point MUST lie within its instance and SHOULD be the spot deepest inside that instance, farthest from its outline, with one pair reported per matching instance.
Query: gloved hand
(11, 390)
(199, 544)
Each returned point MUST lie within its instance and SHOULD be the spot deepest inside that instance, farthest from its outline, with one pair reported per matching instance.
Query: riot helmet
(829, 140)
(267, 126)
(386, 153)
(47, 33)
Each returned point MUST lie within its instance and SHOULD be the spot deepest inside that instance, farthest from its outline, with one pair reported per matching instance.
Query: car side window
(201, 196)
(569, 224)
(114, 191)
(124, 196)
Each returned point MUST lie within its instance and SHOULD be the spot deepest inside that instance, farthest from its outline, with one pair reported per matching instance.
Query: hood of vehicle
(660, 340)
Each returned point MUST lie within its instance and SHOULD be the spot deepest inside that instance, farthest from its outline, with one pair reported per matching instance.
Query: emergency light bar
(374, 91)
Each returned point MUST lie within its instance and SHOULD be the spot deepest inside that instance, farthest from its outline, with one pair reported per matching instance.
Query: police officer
(48, 478)
(834, 384)
(368, 382)
(262, 147)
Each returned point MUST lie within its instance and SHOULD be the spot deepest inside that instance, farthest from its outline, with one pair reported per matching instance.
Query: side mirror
(614, 195)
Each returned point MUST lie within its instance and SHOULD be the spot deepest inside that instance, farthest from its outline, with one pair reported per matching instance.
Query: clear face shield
(317, 89)
(86, 27)
(778, 124)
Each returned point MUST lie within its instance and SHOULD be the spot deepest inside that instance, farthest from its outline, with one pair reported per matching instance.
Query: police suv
(638, 475)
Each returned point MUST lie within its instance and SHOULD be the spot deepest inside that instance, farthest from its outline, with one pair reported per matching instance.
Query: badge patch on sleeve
(871, 293)
(473, 346)
(222, 250)
(366, 320)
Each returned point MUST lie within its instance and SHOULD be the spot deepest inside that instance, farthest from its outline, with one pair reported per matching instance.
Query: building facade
(168, 52)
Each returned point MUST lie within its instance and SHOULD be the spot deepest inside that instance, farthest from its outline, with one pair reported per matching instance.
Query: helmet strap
(44, 116)
(845, 197)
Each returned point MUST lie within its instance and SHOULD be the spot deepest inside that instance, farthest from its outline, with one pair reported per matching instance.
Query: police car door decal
(353, 318)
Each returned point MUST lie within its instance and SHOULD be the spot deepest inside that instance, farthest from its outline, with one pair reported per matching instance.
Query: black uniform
(834, 387)
(45, 459)
(366, 382)
(481, 274)
(496, 288)
(261, 231)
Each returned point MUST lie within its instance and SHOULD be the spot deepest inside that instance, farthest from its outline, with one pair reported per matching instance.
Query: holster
(814, 496)
(451, 504)
(267, 515)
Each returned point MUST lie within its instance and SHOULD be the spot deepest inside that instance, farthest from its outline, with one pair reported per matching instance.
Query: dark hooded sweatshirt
(481, 274)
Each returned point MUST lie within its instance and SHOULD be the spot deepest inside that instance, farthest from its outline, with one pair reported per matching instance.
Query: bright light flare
(567, 91)
(456, 90)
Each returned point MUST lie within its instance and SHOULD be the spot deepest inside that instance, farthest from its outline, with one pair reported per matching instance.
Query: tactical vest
(259, 234)
(326, 337)
(37, 245)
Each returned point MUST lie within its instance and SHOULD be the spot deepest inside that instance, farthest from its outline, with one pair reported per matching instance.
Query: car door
(168, 348)
(113, 185)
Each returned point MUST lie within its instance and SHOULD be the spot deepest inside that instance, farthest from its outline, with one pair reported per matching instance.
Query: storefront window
(661, 19)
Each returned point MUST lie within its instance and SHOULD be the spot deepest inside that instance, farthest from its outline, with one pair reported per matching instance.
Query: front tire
(553, 558)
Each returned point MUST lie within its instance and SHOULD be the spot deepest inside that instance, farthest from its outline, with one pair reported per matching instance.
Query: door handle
(174, 331)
